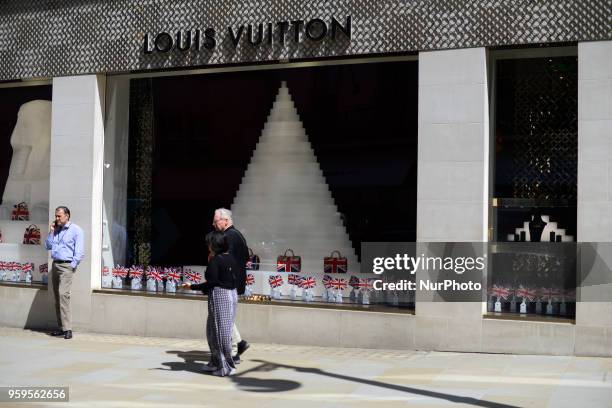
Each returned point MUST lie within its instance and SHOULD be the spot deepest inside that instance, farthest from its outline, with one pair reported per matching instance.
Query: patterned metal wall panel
(54, 38)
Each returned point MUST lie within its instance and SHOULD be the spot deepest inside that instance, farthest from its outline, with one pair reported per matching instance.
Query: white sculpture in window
(28, 179)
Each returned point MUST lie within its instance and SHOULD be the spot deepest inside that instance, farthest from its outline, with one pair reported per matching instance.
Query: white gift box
(151, 285)
(307, 295)
(276, 293)
(136, 283)
(171, 286)
(107, 280)
(117, 282)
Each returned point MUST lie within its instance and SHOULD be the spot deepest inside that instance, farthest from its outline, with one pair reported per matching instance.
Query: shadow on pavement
(193, 361)
(195, 358)
(268, 366)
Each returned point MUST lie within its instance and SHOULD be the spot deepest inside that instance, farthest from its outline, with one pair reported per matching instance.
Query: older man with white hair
(222, 221)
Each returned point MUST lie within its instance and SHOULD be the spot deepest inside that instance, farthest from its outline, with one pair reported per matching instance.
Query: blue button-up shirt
(67, 244)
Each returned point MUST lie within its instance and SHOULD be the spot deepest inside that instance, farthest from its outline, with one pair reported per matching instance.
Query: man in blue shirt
(66, 242)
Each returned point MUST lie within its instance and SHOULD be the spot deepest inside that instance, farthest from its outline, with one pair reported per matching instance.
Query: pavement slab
(104, 370)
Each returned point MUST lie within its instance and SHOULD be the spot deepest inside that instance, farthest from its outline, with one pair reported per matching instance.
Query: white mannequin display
(28, 178)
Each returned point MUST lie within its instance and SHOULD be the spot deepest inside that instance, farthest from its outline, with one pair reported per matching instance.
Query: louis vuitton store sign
(291, 32)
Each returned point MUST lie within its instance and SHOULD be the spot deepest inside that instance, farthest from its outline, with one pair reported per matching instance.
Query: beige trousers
(61, 279)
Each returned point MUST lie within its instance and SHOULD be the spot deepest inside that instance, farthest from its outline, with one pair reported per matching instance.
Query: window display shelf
(33, 285)
(12, 231)
(25, 247)
(285, 301)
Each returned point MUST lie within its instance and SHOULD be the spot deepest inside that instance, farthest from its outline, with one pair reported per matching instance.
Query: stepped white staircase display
(551, 226)
(283, 200)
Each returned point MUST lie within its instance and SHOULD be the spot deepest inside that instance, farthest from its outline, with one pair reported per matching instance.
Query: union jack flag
(294, 279)
(44, 268)
(327, 281)
(500, 292)
(192, 276)
(354, 282)
(569, 295)
(526, 293)
(275, 281)
(366, 283)
(556, 293)
(549, 293)
(136, 271)
(338, 284)
(119, 272)
(172, 274)
(154, 273)
(308, 282)
(27, 267)
(250, 279)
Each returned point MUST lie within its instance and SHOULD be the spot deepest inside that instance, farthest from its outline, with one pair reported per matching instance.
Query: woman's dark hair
(217, 241)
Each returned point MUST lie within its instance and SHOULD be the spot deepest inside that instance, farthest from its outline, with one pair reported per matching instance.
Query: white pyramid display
(283, 200)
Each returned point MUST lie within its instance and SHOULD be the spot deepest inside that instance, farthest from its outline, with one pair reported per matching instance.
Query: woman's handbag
(335, 263)
(31, 236)
(253, 261)
(288, 263)
(20, 212)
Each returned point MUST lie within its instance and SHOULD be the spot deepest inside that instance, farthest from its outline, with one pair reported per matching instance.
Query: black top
(221, 272)
(240, 251)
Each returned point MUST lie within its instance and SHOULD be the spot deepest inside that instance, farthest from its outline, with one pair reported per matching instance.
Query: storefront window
(535, 182)
(25, 140)
(311, 161)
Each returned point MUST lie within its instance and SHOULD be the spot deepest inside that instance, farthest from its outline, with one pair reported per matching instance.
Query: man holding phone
(66, 242)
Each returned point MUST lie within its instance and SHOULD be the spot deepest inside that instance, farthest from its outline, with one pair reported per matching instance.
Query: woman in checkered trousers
(220, 286)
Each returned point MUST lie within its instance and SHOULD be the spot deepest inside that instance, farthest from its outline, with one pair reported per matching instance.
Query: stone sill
(33, 285)
(291, 303)
(528, 318)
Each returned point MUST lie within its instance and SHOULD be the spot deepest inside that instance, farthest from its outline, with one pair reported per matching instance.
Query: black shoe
(242, 347)
(236, 359)
(68, 334)
(58, 333)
